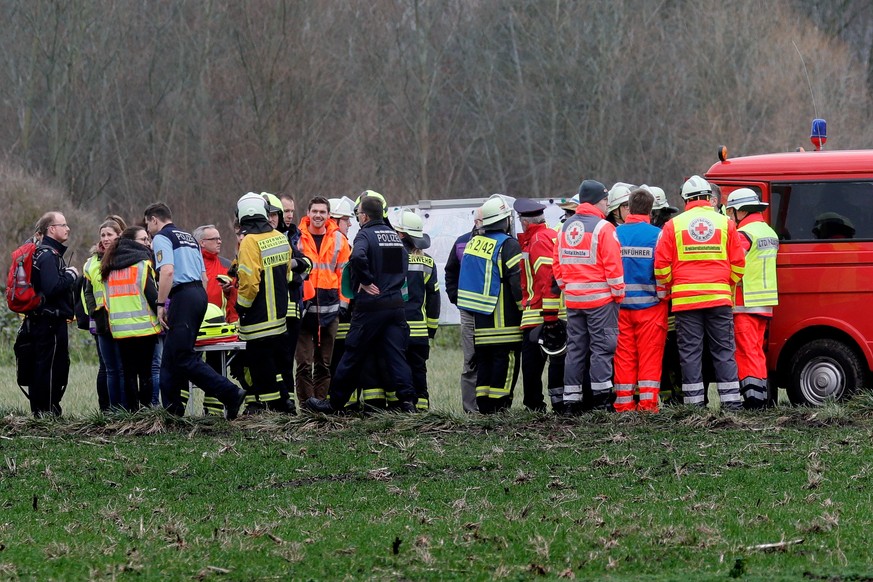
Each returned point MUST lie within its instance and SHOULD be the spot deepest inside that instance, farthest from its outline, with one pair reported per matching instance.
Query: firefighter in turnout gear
(541, 303)
(489, 286)
(642, 319)
(379, 264)
(588, 270)
(700, 259)
(265, 266)
(755, 295)
(423, 305)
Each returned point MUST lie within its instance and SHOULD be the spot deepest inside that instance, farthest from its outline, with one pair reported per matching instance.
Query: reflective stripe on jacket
(321, 291)
(699, 258)
(264, 268)
(638, 239)
(539, 296)
(757, 292)
(502, 325)
(423, 305)
(587, 262)
(129, 312)
(479, 283)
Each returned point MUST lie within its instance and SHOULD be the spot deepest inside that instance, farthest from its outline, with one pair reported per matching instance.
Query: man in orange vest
(699, 259)
(588, 269)
(328, 249)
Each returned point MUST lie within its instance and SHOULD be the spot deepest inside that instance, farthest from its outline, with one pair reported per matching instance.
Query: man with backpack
(44, 328)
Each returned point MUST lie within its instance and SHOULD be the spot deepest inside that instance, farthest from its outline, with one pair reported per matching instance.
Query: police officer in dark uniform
(379, 264)
(47, 324)
(182, 283)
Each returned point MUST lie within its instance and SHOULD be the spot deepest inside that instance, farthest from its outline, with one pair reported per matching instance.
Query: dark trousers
(181, 364)
(102, 390)
(137, 354)
(533, 361)
(268, 357)
(382, 332)
(496, 375)
(51, 360)
(417, 354)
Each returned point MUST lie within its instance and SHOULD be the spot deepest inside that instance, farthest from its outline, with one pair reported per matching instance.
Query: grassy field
(783, 494)
(777, 495)
(81, 396)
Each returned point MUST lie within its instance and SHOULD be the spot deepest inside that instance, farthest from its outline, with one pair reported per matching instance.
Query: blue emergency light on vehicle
(819, 133)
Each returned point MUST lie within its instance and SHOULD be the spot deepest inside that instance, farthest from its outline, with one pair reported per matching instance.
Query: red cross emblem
(701, 229)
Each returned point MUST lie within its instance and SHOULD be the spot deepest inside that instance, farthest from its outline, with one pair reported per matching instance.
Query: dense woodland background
(108, 105)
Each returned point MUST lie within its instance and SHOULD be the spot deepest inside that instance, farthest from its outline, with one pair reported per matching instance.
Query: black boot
(323, 406)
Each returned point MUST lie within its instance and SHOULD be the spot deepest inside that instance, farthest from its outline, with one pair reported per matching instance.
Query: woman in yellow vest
(131, 297)
(109, 374)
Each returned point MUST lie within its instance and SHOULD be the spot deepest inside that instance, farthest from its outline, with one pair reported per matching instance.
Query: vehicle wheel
(824, 370)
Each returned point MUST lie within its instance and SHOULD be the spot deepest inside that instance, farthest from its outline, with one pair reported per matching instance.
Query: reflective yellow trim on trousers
(698, 299)
(712, 287)
(499, 391)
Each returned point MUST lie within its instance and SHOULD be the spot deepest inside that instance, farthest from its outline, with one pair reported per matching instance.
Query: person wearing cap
(328, 249)
(541, 301)
(468, 322)
(642, 319)
(588, 269)
(617, 203)
(699, 259)
(569, 207)
(756, 293)
(489, 287)
(378, 270)
(423, 304)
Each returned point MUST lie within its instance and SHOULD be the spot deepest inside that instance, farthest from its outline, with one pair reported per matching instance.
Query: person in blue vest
(642, 317)
(378, 266)
(490, 288)
(181, 305)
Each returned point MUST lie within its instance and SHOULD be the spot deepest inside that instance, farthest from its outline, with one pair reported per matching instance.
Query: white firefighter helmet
(658, 194)
(412, 224)
(618, 195)
(251, 204)
(694, 187)
(495, 209)
(342, 207)
(745, 199)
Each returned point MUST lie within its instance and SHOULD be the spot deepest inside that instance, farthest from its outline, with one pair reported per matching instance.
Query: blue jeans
(156, 371)
(114, 371)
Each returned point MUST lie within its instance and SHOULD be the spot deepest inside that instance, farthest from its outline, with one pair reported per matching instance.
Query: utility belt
(42, 314)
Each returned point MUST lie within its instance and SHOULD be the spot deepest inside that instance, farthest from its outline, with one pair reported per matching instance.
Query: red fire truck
(820, 343)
